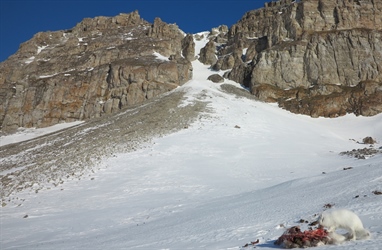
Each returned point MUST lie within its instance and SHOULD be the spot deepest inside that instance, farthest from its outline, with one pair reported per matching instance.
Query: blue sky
(20, 20)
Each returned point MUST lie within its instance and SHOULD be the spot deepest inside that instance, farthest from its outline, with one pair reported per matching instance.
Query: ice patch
(30, 59)
(160, 57)
(47, 76)
(41, 48)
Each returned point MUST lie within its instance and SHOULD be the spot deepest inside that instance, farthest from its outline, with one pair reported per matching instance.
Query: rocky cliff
(316, 57)
(98, 67)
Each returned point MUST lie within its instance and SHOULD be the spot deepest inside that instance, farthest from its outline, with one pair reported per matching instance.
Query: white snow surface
(41, 48)
(160, 56)
(30, 59)
(221, 183)
(24, 134)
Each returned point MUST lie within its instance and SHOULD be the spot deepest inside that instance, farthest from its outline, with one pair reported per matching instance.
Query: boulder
(224, 63)
(216, 78)
(208, 53)
(368, 140)
(188, 47)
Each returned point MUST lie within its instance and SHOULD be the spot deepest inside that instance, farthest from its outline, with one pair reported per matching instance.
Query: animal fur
(336, 238)
(343, 219)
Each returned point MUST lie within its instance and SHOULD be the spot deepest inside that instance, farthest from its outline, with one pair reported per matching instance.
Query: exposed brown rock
(216, 78)
(208, 53)
(315, 57)
(219, 34)
(188, 47)
(361, 153)
(98, 67)
(320, 58)
(240, 73)
(368, 140)
(339, 102)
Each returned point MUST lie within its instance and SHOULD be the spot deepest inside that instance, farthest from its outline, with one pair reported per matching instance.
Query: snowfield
(246, 171)
(24, 134)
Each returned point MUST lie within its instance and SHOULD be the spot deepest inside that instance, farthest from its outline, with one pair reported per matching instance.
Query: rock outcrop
(188, 47)
(100, 66)
(208, 53)
(216, 78)
(315, 57)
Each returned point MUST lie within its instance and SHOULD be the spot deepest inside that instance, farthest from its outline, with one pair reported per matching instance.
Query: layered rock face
(315, 57)
(98, 67)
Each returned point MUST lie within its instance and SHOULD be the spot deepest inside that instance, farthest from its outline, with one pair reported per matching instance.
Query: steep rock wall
(288, 46)
(100, 66)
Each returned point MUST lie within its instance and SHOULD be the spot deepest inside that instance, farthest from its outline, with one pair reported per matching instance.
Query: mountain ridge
(318, 58)
(96, 68)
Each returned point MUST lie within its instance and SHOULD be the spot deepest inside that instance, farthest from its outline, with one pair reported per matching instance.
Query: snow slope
(24, 134)
(234, 176)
